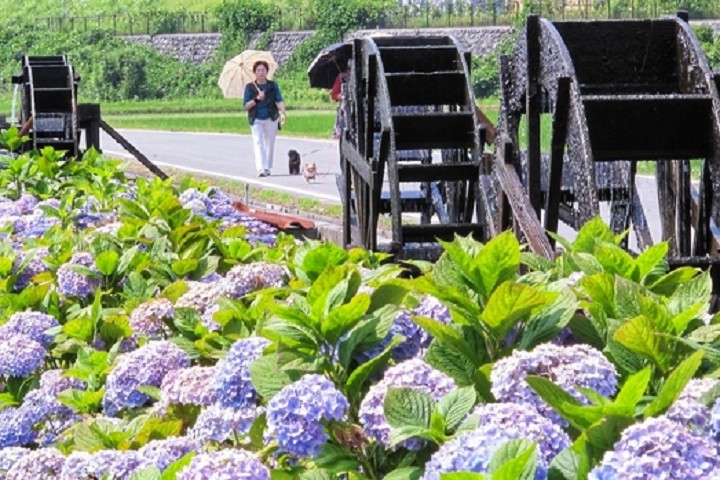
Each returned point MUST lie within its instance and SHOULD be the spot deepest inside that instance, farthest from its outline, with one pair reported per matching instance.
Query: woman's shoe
(262, 173)
(267, 173)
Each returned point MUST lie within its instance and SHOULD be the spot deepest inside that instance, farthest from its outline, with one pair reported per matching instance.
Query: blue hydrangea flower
(20, 356)
(687, 409)
(232, 382)
(43, 463)
(416, 339)
(148, 319)
(16, 427)
(27, 271)
(217, 423)
(26, 203)
(188, 386)
(659, 448)
(230, 464)
(193, 194)
(147, 365)
(568, 367)
(523, 421)
(163, 453)
(37, 225)
(30, 324)
(413, 373)
(72, 283)
(110, 464)
(472, 452)
(196, 206)
(200, 296)
(295, 415)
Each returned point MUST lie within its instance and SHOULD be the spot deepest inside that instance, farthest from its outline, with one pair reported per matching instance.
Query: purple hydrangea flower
(228, 464)
(196, 206)
(35, 266)
(9, 456)
(30, 324)
(688, 410)
(200, 296)
(75, 284)
(20, 356)
(188, 386)
(472, 452)
(295, 413)
(232, 382)
(26, 203)
(148, 318)
(243, 279)
(659, 448)
(192, 194)
(568, 367)
(163, 453)
(217, 423)
(16, 427)
(413, 373)
(44, 463)
(147, 365)
(110, 464)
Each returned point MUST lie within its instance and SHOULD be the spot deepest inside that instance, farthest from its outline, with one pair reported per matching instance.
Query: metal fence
(439, 14)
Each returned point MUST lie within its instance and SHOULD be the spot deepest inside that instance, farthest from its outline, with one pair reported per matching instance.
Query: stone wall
(199, 48)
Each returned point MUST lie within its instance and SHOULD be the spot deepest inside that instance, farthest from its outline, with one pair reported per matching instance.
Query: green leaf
(325, 285)
(406, 473)
(509, 304)
(341, 319)
(446, 359)
(674, 384)
(316, 474)
(615, 260)
(361, 374)
(406, 407)
(336, 459)
(649, 259)
(149, 473)
(268, 377)
(175, 290)
(313, 258)
(184, 266)
(601, 289)
(639, 335)
(515, 460)
(80, 328)
(547, 322)
(590, 234)
(174, 468)
(705, 334)
(569, 465)
(694, 291)
(400, 435)
(367, 334)
(387, 294)
(668, 284)
(107, 262)
(498, 261)
(455, 406)
(447, 334)
(462, 476)
(558, 398)
(86, 438)
(633, 389)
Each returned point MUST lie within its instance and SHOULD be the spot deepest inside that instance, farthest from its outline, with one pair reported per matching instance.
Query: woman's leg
(259, 144)
(271, 129)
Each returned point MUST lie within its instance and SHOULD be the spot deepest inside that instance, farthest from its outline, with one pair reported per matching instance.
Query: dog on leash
(310, 172)
(294, 162)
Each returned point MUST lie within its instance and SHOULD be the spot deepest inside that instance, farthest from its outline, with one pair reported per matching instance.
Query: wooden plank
(533, 105)
(557, 152)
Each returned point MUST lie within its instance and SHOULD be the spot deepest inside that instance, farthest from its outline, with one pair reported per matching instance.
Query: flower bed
(149, 331)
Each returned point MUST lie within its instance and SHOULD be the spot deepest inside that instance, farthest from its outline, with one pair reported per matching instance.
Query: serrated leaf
(498, 261)
(455, 406)
(668, 283)
(633, 389)
(406, 407)
(697, 290)
(649, 259)
(515, 460)
(268, 377)
(601, 289)
(674, 384)
(343, 318)
(568, 465)
(638, 335)
(446, 359)
(549, 321)
(447, 334)
(509, 304)
(590, 234)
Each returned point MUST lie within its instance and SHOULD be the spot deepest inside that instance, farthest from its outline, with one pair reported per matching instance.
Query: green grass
(300, 123)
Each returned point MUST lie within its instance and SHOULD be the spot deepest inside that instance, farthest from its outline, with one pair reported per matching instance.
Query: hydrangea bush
(149, 328)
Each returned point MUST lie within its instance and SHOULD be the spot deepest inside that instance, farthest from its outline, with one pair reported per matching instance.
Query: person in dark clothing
(266, 112)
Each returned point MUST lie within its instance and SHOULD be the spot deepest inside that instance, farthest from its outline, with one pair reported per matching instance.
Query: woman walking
(265, 106)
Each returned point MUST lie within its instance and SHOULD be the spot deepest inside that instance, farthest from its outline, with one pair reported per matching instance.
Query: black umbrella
(328, 64)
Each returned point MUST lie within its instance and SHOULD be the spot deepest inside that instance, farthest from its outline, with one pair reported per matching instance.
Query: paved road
(231, 156)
